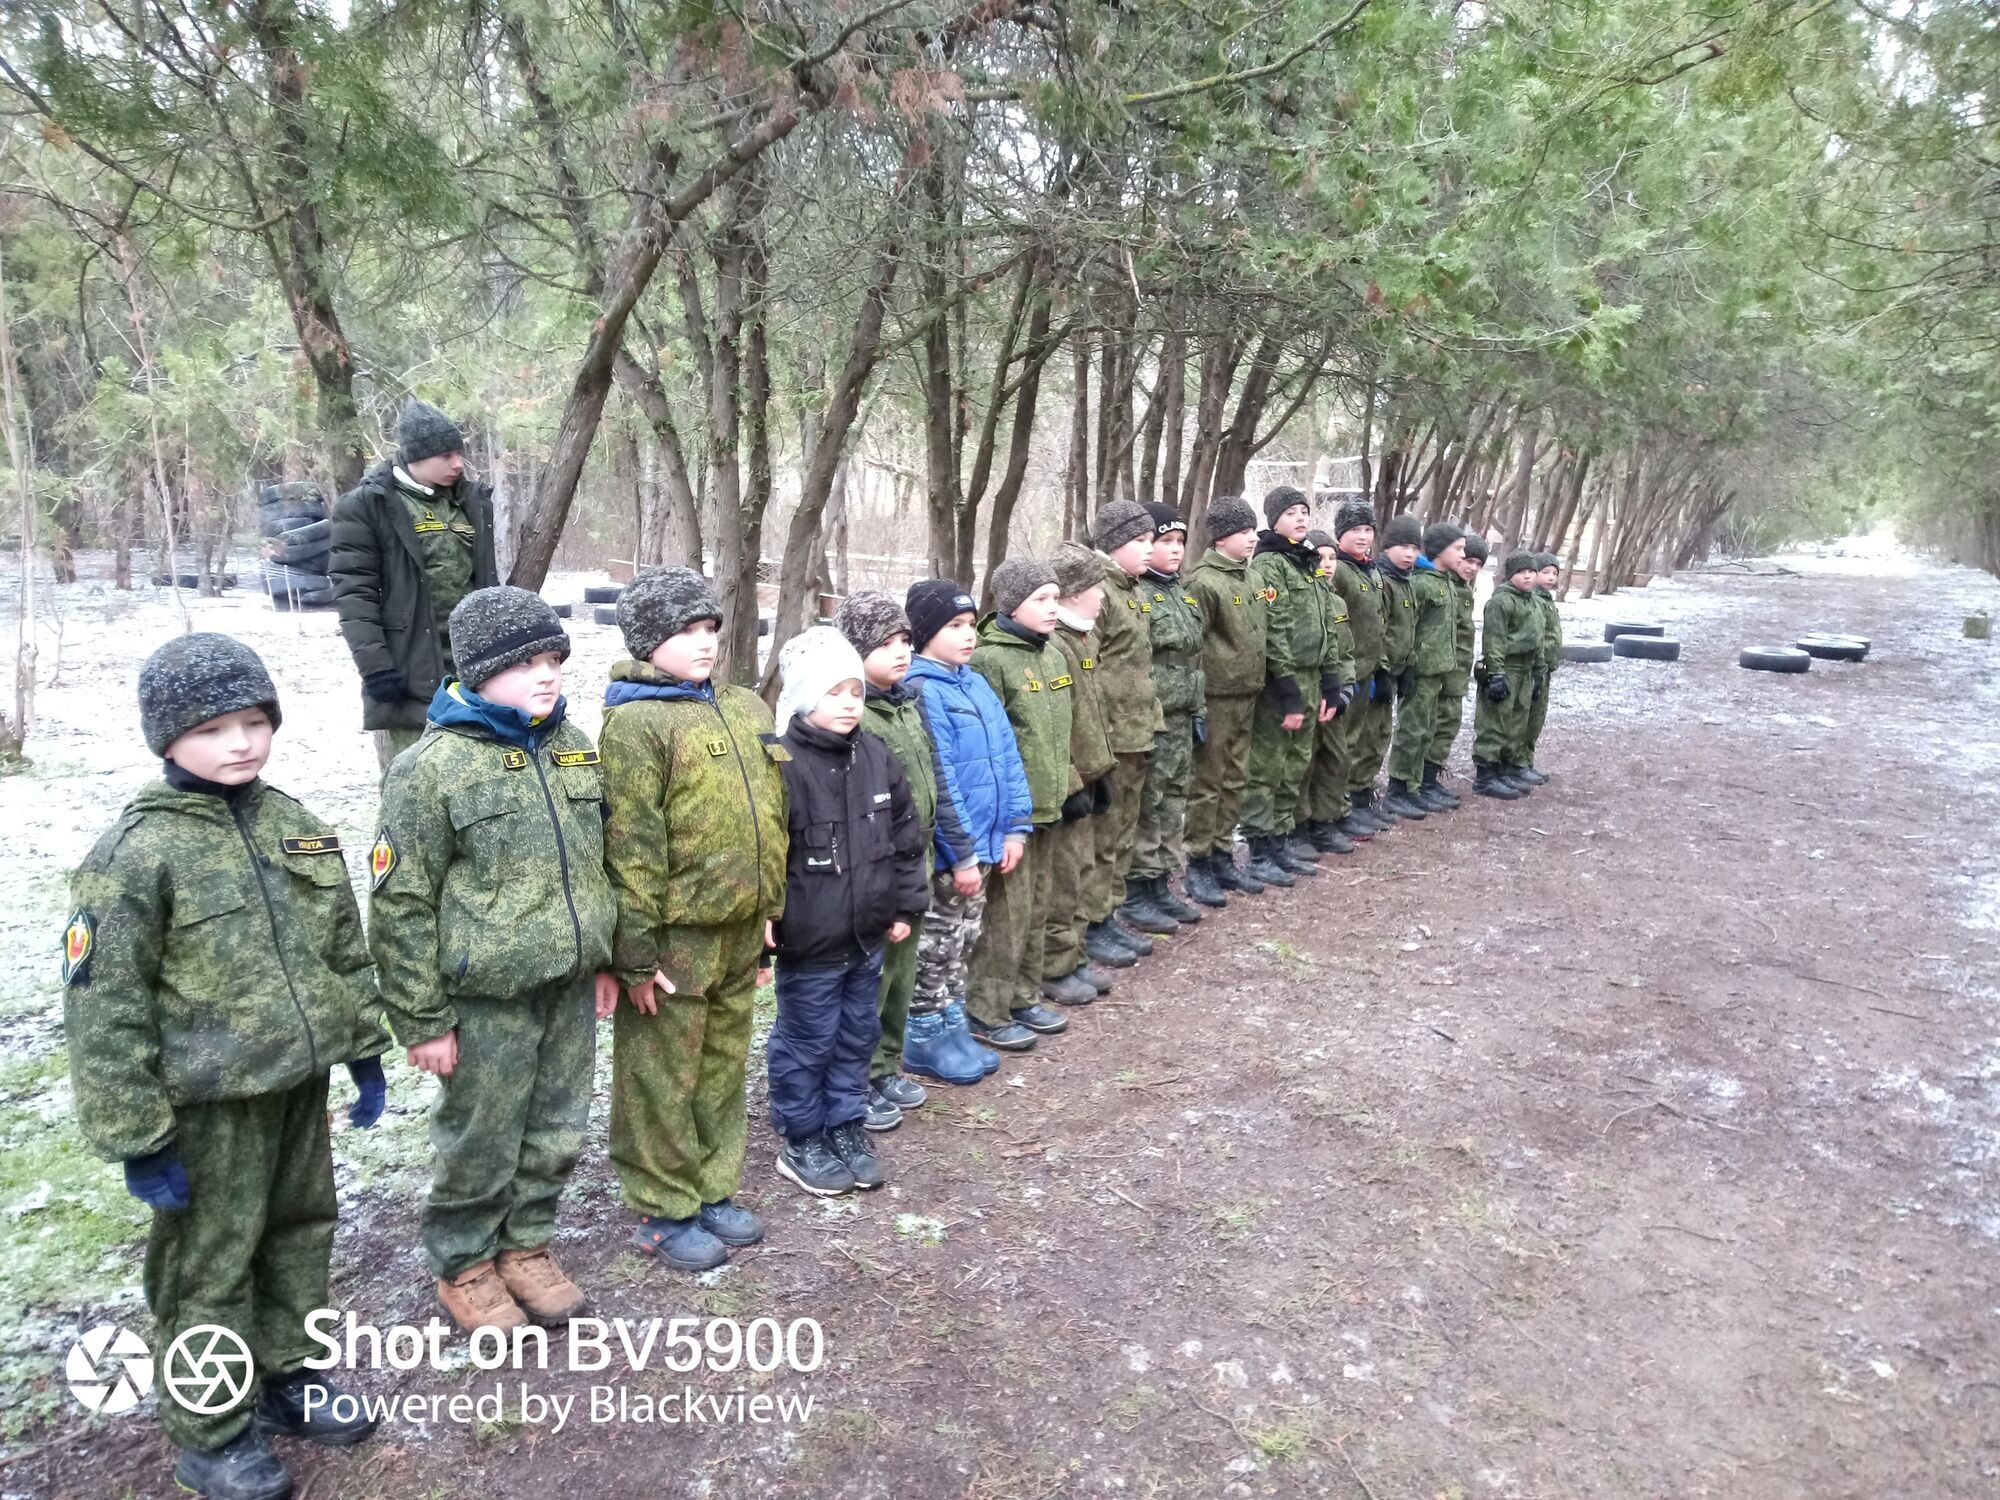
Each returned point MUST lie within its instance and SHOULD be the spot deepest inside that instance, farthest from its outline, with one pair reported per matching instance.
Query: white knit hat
(811, 665)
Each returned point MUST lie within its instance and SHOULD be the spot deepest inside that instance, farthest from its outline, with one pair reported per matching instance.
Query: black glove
(385, 687)
(1496, 688)
(1200, 730)
(1077, 805)
(1406, 683)
(1380, 685)
(1541, 687)
(1100, 794)
(371, 1092)
(158, 1179)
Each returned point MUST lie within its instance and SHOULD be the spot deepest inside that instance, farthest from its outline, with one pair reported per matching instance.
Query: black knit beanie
(1280, 500)
(1438, 536)
(198, 677)
(933, 604)
(1404, 530)
(500, 627)
(1229, 515)
(422, 431)
(1350, 514)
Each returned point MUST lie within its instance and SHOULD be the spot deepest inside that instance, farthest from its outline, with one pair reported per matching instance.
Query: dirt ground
(1639, 1139)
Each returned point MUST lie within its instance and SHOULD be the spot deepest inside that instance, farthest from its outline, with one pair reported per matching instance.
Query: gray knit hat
(1318, 538)
(500, 627)
(1517, 562)
(1404, 530)
(1350, 514)
(1118, 523)
(663, 602)
(1016, 578)
(1280, 500)
(1439, 536)
(422, 431)
(1477, 547)
(198, 677)
(1077, 568)
(868, 619)
(1228, 515)
(1547, 560)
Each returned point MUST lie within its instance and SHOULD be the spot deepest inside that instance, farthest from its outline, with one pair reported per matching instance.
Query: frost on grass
(922, 1228)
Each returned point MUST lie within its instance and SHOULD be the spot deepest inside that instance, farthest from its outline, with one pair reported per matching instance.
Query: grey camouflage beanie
(198, 677)
(662, 602)
(1118, 523)
(1402, 531)
(1077, 568)
(1018, 577)
(1477, 547)
(1228, 515)
(422, 431)
(500, 627)
(1439, 536)
(868, 619)
(1350, 514)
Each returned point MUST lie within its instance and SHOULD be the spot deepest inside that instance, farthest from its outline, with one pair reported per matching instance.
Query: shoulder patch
(721, 746)
(1090, 664)
(326, 843)
(381, 860)
(1270, 596)
(1061, 682)
(78, 939)
(514, 760)
(575, 757)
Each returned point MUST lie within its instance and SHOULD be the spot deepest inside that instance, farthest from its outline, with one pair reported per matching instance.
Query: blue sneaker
(730, 1222)
(931, 1051)
(681, 1243)
(956, 1022)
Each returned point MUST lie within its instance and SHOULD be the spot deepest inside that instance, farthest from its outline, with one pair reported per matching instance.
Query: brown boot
(477, 1298)
(538, 1284)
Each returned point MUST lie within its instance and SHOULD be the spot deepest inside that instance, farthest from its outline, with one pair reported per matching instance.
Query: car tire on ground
(1587, 651)
(563, 611)
(602, 593)
(1615, 628)
(1648, 647)
(605, 614)
(1773, 659)
(1833, 647)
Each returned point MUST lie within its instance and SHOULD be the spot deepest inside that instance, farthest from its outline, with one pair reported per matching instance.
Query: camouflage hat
(1118, 523)
(1077, 568)
(868, 619)
(1280, 500)
(500, 627)
(1016, 578)
(1402, 531)
(1438, 536)
(662, 602)
(1165, 519)
(1518, 562)
(1228, 515)
(932, 604)
(198, 677)
(810, 665)
(1350, 514)
(1477, 547)
(422, 431)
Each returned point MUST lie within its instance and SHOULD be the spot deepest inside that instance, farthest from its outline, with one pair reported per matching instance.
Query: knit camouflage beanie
(1280, 500)
(1118, 523)
(1518, 562)
(1016, 578)
(501, 627)
(422, 431)
(1477, 547)
(198, 677)
(662, 602)
(1077, 568)
(1229, 515)
(868, 619)
(932, 604)
(1350, 514)
(1165, 519)
(1318, 538)
(1402, 531)
(1438, 536)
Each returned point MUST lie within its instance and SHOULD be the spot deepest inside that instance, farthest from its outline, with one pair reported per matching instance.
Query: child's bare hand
(1292, 723)
(1328, 709)
(607, 995)
(642, 997)
(439, 1055)
(898, 931)
(1010, 856)
(967, 881)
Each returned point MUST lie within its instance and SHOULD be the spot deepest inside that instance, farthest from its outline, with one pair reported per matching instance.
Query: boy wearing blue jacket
(984, 816)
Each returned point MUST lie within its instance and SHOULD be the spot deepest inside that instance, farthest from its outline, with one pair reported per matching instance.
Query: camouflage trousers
(1072, 852)
(1221, 766)
(1538, 715)
(508, 1124)
(678, 1120)
(1117, 831)
(899, 984)
(946, 940)
(1323, 798)
(1157, 848)
(1367, 741)
(249, 1253)
(1280, 760)
(1007, 964)
(1450, 715)
(1416, 726)
(1500, 730)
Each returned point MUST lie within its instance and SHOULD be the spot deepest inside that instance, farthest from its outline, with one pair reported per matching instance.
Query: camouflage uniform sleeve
(1281, 666)
(407, 869)
(121, 1101)
(635, 840)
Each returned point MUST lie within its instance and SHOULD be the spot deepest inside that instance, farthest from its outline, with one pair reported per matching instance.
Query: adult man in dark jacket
(409, 541)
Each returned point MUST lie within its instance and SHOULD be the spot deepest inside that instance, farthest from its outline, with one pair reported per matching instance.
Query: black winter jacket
(384, 599)
(856, 864)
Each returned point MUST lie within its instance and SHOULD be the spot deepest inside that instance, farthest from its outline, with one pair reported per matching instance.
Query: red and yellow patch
(381, 860)
(78, 939)
(1269, 596)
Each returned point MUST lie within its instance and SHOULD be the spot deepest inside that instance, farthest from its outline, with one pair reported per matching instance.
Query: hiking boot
(244, 1468)
(1168, 901)
(1143, 911)
(1401, 803)
(1011, 1037)
(1138, 943)
(1295, 852)
(730, 1222)
(960, 1025)
(1512, 776)
(1363, 805)
(850, 1143)
(1231, 876)
(900, 1091)
(1102, 948)
(1264, 865)
(1069, 990)
(1203, 884)
(300, 1405)
(879, 1114)
(1488, 782)
(1357, 827)
(1528, 774)
(683, 1244)
(537, 1283)
(812, 1163)
(1040, 1019)
(1099, 982)
(930, 1051)
(477, 1298)
(1434, 789)
(1328, 839)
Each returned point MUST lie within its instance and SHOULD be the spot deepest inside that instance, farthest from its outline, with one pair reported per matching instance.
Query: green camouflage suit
(1323, 795)
(1298, 643)
(1434, 654)
(1131, 720)
(1363, 731)
(1399, 644)
(213, 972)
(899, 722)
(1511, 644)
(1073, 845)
(695, 847)
(1550, 659)
(490, 915)
(1232, 672)
(1451, 693)
(1175, 625)
(1033, 683)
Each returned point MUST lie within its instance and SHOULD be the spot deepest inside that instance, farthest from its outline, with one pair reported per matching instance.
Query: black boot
(1436, 792)
(244, 1468)
(1099, 982)
(1355, 823)
(1528, 774)
(1137, 943)
(1328, 839)
(1511, 774)
(301, 1404)
(1265, 866)
(1401, 803)
(1069, 989)
(1295, 852)
(1364, 804)
(1202, 884)
(1231, 876)
(1143, 911)
(1168, 901)
(1488, 782)
(1105, 950)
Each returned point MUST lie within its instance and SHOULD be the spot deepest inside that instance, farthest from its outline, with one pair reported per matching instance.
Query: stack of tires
(298, 539)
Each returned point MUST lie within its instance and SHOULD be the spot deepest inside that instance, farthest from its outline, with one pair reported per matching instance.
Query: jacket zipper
(277, 940)
(756, 826)
(562, 857)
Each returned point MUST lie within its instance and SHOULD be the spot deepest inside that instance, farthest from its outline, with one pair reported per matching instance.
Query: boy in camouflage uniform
(1451, 694)
(1434, 594)
(1548, 576)
(1232, 671)
(1364, 728)
(214, 970)
(490, 918)
(1031, 680)
(695, 844)
(1175, 627)
(1323, 799)
(1067, 976)
(1510, 655)
(1401, 540)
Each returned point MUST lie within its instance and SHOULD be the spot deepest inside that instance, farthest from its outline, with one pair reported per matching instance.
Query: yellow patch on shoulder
(324, 844)
(575, 757)
(514, 760)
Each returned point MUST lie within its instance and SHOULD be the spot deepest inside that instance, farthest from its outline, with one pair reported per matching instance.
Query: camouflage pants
(678, 1121)
(249, 1253)
(1157, 848)
(1450, 714)
(944, 949)
(1499, 730)
(1072, 850)
(1416, 725)
(1221, 766)
(1323, 795)
(1117, 831)
(899, 983)
(1280, 760)
(1007, 964)
(1368, 743)
(390, 743)
(1538, 715)
(508, 1124)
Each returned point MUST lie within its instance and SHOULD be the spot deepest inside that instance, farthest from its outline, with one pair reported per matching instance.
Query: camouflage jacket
(897, 720)
(1033, 683)
(1089, 748)
(1511, 638)
(1125, 664)
(1232, 616)
(1399, 619)
(487, 878)
(1175, 626)
(1300, 646)
(1360, 585)
(216, 953)
(1457, 679)
(696, 836)
(1435, 618)
(1552, 630)
(1338, 668)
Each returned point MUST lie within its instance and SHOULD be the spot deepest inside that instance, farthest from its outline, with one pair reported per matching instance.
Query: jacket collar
(895, 696)
(457, 707)
(1425, 563)
(805, 732)
(1215, 558)
(1301, 554)
(1365, 564)
(632, 681)
(184, 780)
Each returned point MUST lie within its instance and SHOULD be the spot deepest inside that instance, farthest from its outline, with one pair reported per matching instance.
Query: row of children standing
(1002, 836)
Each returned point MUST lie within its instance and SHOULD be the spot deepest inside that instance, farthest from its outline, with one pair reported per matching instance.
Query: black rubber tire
(308, 559)
(1587, 651)
(284, 603)
(1648, 647)
(1615, 628)
(602, 593)
(605, 614)
(563, 611)
(1828, 648)
(279, 579)
(302, 532)
(1773, 659)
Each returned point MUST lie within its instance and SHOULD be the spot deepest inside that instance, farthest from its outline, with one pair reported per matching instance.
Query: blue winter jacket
(982, 785)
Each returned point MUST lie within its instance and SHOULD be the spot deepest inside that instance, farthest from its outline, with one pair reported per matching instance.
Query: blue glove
(158, 1179)
(372, 1092)
(1200, 730)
